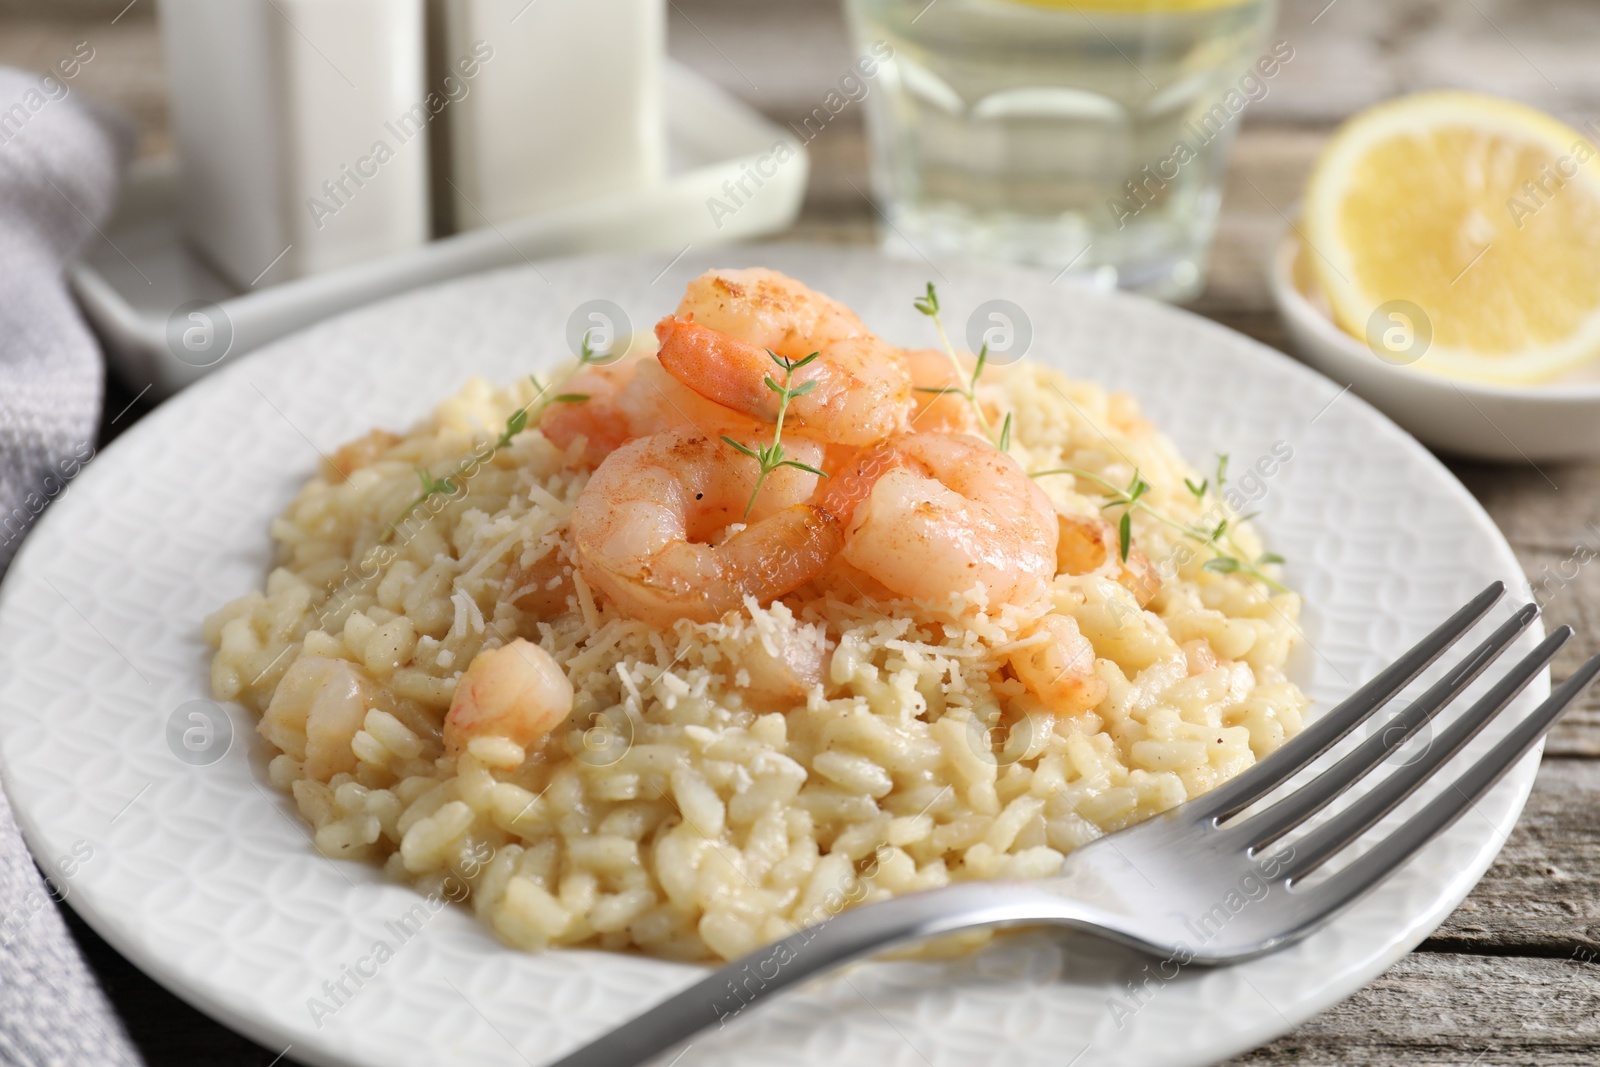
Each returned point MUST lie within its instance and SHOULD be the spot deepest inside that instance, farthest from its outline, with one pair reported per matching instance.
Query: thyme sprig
(587, 357)
(928, 304)
(527, 415)
(431, 487)
(770, 457)
(451, 484)
(1227, 556)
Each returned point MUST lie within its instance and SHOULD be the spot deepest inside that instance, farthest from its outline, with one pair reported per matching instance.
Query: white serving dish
(166, 319)
(1482, 420)
(204, 876)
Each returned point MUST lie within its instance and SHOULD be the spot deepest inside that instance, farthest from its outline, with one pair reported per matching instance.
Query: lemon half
(1482, 214)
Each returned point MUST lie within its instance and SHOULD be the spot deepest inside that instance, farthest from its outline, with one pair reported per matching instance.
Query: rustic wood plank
(1551, 516)
(1447, 1010)
(1542, 896)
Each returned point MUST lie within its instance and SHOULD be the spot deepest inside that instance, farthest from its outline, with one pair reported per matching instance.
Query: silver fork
(1203, 880)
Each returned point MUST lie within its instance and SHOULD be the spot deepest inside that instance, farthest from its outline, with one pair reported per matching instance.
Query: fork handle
(718, 998)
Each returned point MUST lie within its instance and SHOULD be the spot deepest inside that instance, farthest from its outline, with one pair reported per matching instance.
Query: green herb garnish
(519, 420)
(450, 485)
(431, 486)
(1227, 557)
(928, 304)
(771, 457)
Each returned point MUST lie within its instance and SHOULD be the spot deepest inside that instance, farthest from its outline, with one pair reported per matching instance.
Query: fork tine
(1445, 809)
(1266, 827)
(1321, 844)
(1233, 797)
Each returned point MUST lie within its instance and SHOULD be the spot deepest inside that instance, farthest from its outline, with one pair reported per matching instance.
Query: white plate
(204, 877)
(1515, 423)
(141, 287)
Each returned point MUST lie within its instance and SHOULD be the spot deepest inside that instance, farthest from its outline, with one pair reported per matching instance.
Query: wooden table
(1514, 975)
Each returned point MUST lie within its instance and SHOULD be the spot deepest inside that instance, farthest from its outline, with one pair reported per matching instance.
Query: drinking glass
(1082, 136)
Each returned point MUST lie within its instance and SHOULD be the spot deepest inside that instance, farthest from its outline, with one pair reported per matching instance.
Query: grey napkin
(60, 166)
(59, 169)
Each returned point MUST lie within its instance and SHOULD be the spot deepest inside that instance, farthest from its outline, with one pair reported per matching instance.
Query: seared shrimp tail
(718, 367)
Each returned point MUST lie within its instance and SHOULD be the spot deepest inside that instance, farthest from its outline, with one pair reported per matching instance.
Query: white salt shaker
(567, 105)
(302, 131)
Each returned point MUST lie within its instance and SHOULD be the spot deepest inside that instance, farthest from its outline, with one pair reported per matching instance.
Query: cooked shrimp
(937, 412)
(782, 679)
(777, 667)
(1091, 546)
(718, 343)
(655, 402)
(516, 691)
(940, 513)
(1059, 666)
(600, 419)
(645, 529)
(632, 400)
(768, 310)
(862, 392)
(315, 712)
(1199, 657)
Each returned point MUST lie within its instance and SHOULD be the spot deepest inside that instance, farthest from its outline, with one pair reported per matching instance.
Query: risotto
(723, 780)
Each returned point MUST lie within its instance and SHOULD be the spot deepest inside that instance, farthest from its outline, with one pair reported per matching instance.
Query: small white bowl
(1558, 420)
